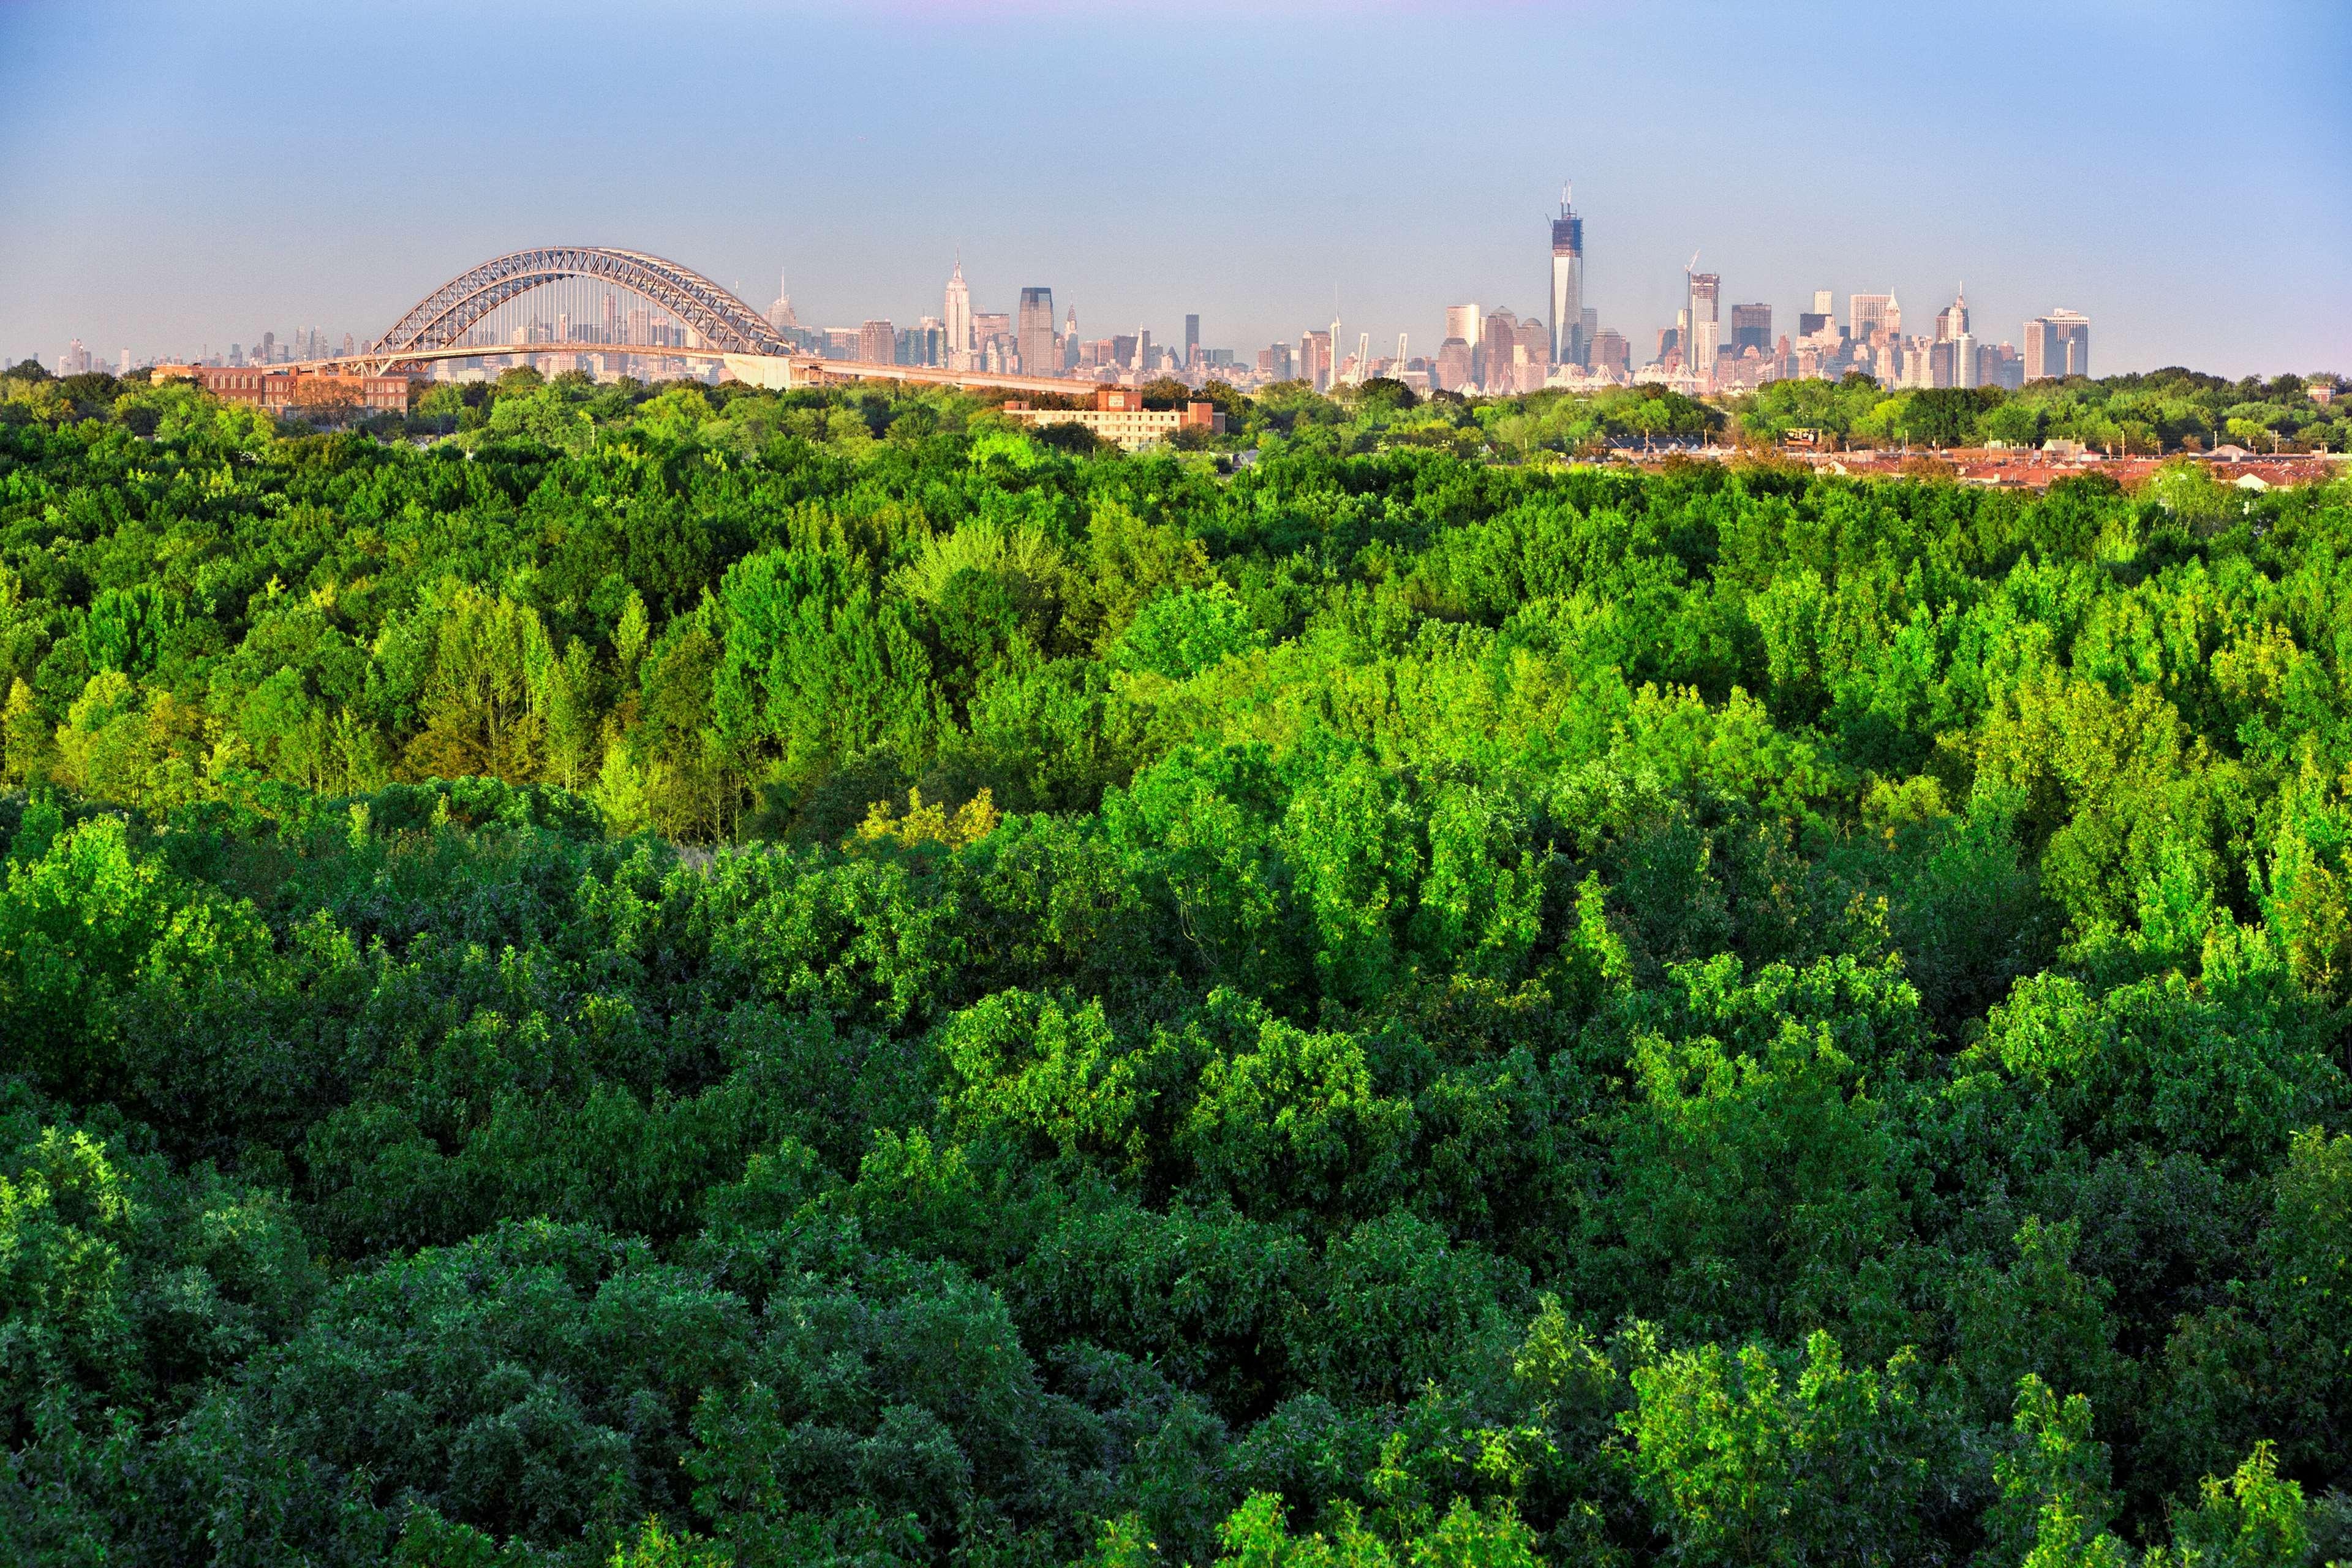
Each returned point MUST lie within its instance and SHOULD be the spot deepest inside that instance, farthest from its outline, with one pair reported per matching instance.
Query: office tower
(780, 314)
(1035, 341)
(1966, 370)
(1825, 302)
(1751, 328)
(957, 313)
(1536, 339)
(1610, 352)
(2057, 344)
(2002, 364)
(1942, 363)
(991, 330)
(269, 348)
(2037, 355)
(1701, 293)
(2073, 332)
(124, 365)
(1498, 334)
(1191, 339)
(1868, 313)
(1952, 320)
(1591, 321)
(75, 360)
(1274, 362)
(877, 343)
(1567, 339)
(1464, 321)
(1453, 368)
(1706, 342)
(236, 354)
(1315, 358)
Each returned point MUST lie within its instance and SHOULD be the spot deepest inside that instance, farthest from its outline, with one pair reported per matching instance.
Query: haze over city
(188, 177)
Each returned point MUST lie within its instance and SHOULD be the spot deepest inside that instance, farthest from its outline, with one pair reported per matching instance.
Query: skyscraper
(1192, 338)
(1867, 313)
(1498, 335)
(1702, 293)
(1070, 342)
(877, 343)
(1952, 320)
(957, 313)
(1034, 336)
(1751, 328)
(780, 314)
(1610, 352)
(2057, 344)
(1315, 358)
(1568, 332)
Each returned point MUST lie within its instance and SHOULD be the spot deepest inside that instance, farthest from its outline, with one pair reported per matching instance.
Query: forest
(624, 976)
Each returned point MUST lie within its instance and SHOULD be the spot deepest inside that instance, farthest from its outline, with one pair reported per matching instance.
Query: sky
(179, 175)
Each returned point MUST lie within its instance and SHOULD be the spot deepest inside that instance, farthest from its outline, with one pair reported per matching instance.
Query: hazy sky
(179, 174)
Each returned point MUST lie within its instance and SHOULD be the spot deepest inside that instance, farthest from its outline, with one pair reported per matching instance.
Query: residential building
(281, 392)
(1119, 415)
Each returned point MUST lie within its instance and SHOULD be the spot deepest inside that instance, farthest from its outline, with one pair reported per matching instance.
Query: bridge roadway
(776, 373)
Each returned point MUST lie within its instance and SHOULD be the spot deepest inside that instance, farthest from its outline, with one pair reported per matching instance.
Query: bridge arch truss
(442, 318)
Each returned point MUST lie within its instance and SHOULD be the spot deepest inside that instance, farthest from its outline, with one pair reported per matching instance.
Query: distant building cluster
(1713, 346)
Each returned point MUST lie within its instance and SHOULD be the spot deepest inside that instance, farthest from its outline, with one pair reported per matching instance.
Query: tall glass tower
(1568, 345)
(1033, 334)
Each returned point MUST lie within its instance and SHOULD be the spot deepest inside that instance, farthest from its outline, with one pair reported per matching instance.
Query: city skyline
(181, 218)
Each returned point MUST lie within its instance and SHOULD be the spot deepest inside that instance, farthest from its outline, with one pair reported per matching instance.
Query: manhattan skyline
(1822, 147)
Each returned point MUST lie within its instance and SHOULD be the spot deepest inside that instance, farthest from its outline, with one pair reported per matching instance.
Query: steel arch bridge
(438, 322)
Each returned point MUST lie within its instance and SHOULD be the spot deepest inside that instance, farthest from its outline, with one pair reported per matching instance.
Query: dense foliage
(689, 977)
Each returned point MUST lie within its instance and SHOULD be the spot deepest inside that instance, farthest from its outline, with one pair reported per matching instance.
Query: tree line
(684, 975)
